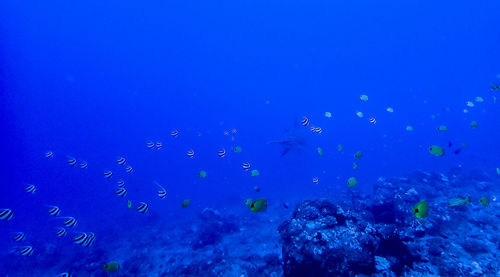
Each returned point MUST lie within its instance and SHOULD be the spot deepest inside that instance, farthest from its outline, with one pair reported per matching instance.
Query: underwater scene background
(249, 138)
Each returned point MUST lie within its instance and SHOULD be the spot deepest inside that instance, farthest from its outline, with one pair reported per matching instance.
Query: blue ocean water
(98, 80)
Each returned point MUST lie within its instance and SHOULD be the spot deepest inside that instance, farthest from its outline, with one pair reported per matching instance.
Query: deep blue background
(97, 80)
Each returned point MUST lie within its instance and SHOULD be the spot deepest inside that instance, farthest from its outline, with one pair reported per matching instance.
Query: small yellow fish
(442, 128)
(421, 209)
(111, 267)
(328, 114)
(258, 205)
(436, 150)
(352, 182)
(364, 97)
(479, 99)
(202, 174)
(389, 109)
(359, 114)
(409, 128)
(484, 201)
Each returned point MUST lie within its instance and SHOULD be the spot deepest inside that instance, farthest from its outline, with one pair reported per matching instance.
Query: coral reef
(322, 239)
(356, 234)
(380, 236)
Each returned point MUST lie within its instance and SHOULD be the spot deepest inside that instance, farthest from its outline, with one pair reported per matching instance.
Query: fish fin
(160, 186)
(286, 150)
(302, 148)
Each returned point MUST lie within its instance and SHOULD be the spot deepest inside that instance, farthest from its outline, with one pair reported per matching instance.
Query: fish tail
(158, 185)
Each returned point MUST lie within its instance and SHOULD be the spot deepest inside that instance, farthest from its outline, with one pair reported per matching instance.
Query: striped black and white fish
(316, 129)
(84, 164)
(129, 169)
(121, 192)
(54, 210)
(30, 189)
(162, 192)
(71, 161)
(80, 239)
(120, 183)
(150, 144)
(121, 160)
(6, 214)
(174, 133)
(49, 154)
(221, 153)
(26, 251)
(305, 121)
(246, 166)
(84, 239)
(159, 145)
(70, 222)
(61, 232)
(89, 241)
(142, 208)
(108, 174)
(18, 237)
(190, 153)
(64, 274)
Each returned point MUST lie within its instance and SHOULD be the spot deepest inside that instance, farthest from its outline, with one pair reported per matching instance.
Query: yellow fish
(111, 267)
(421, 209)
(258, 205)
(352, 182)
(436, 150)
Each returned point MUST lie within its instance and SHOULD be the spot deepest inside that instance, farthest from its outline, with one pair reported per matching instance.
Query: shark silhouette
(293, 139)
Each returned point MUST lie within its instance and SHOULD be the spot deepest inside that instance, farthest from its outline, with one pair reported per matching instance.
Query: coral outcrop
(379, 235)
